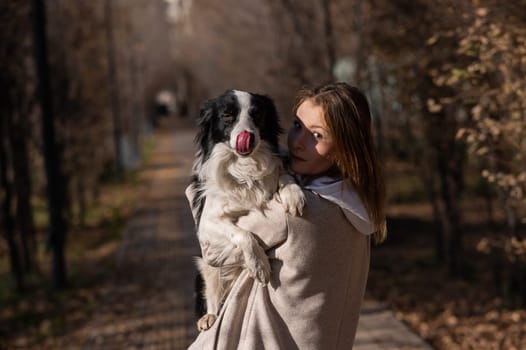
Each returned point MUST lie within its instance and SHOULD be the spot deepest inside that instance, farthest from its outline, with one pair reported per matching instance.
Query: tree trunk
(114, 88)
(14, 255)
(429, 184)
(55, 192)
(329, 37)
(423, 158)
(81, 203)
(22, 185)
(284, 12)
(450, 167)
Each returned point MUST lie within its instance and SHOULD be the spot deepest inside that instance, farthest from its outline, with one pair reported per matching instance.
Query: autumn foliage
(446, 84)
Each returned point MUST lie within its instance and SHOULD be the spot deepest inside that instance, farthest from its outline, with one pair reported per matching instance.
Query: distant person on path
(320, 261)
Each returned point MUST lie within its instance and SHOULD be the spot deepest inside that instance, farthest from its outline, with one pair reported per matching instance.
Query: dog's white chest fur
(244, 183)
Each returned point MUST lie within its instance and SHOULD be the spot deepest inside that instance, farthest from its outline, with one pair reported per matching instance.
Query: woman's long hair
(348, 118)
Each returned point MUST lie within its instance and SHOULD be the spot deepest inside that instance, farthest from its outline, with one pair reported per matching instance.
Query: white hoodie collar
(345, 196)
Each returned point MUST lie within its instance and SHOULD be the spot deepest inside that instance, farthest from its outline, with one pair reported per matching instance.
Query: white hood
(343, 194)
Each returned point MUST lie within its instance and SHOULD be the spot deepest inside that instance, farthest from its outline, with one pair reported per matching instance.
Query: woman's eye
(317, 135)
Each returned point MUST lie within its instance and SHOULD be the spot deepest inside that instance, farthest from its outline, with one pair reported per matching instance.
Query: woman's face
(310, 142)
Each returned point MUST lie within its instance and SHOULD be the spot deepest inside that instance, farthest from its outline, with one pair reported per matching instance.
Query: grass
(41, 313)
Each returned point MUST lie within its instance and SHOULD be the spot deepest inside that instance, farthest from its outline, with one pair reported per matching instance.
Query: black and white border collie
(237, 169)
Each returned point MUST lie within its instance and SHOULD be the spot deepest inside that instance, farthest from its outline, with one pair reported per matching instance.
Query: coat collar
(343, 194)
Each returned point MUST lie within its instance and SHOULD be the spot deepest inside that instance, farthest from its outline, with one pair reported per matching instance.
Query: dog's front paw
(292, 198)
(206, 322)
(258, 266)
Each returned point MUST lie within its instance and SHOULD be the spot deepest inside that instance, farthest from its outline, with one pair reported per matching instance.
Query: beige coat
(319, 266)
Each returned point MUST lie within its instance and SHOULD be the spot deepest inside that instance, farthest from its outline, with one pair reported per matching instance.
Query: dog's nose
(245, 142)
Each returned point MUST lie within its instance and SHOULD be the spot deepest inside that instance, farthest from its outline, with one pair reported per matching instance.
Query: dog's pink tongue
(243, 142)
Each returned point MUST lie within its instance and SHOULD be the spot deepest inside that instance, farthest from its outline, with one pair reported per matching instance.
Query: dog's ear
(271, 127)
(204, 134)
(206, 112)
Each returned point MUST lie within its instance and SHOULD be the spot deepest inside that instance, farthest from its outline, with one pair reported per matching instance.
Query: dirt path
(150, 305)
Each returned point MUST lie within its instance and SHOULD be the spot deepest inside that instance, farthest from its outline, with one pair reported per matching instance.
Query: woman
(320, 260)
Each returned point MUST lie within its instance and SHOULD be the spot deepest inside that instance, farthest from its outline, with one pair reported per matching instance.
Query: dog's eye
(228, 118)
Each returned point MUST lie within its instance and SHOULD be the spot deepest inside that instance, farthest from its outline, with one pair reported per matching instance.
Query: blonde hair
(346, 112)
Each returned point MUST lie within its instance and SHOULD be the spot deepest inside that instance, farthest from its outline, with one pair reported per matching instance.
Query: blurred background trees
(102, 96)
(445, 80)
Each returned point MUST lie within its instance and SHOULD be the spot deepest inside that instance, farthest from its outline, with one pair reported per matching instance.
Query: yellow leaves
(482, 12)
(440, 80)
(432, 40)
(496, 136)
(450, 76)
(495, 30)
(433, 106)
(451, 321)
(515, 317)
(490, 177)
(483, 246)
(462, 132)
(476, 112)
(515, 249)
(460, 73)
(455, 76)
(482, 151)
(491, 126)
(511, 185)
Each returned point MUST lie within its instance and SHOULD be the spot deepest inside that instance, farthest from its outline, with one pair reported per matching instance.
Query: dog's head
(241, 120)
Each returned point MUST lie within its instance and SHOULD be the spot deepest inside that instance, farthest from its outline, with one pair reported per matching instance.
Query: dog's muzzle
(245, 143)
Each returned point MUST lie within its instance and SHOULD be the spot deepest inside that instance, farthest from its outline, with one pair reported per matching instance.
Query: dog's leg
(254, 256)
(213, 291)
(290, 195)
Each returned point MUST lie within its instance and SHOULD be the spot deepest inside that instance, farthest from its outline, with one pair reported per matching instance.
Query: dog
(237, 169)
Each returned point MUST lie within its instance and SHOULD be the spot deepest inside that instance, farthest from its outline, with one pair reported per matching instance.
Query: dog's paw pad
(206, 322)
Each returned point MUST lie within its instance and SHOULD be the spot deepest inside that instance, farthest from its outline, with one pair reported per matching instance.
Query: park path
(150, 305)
